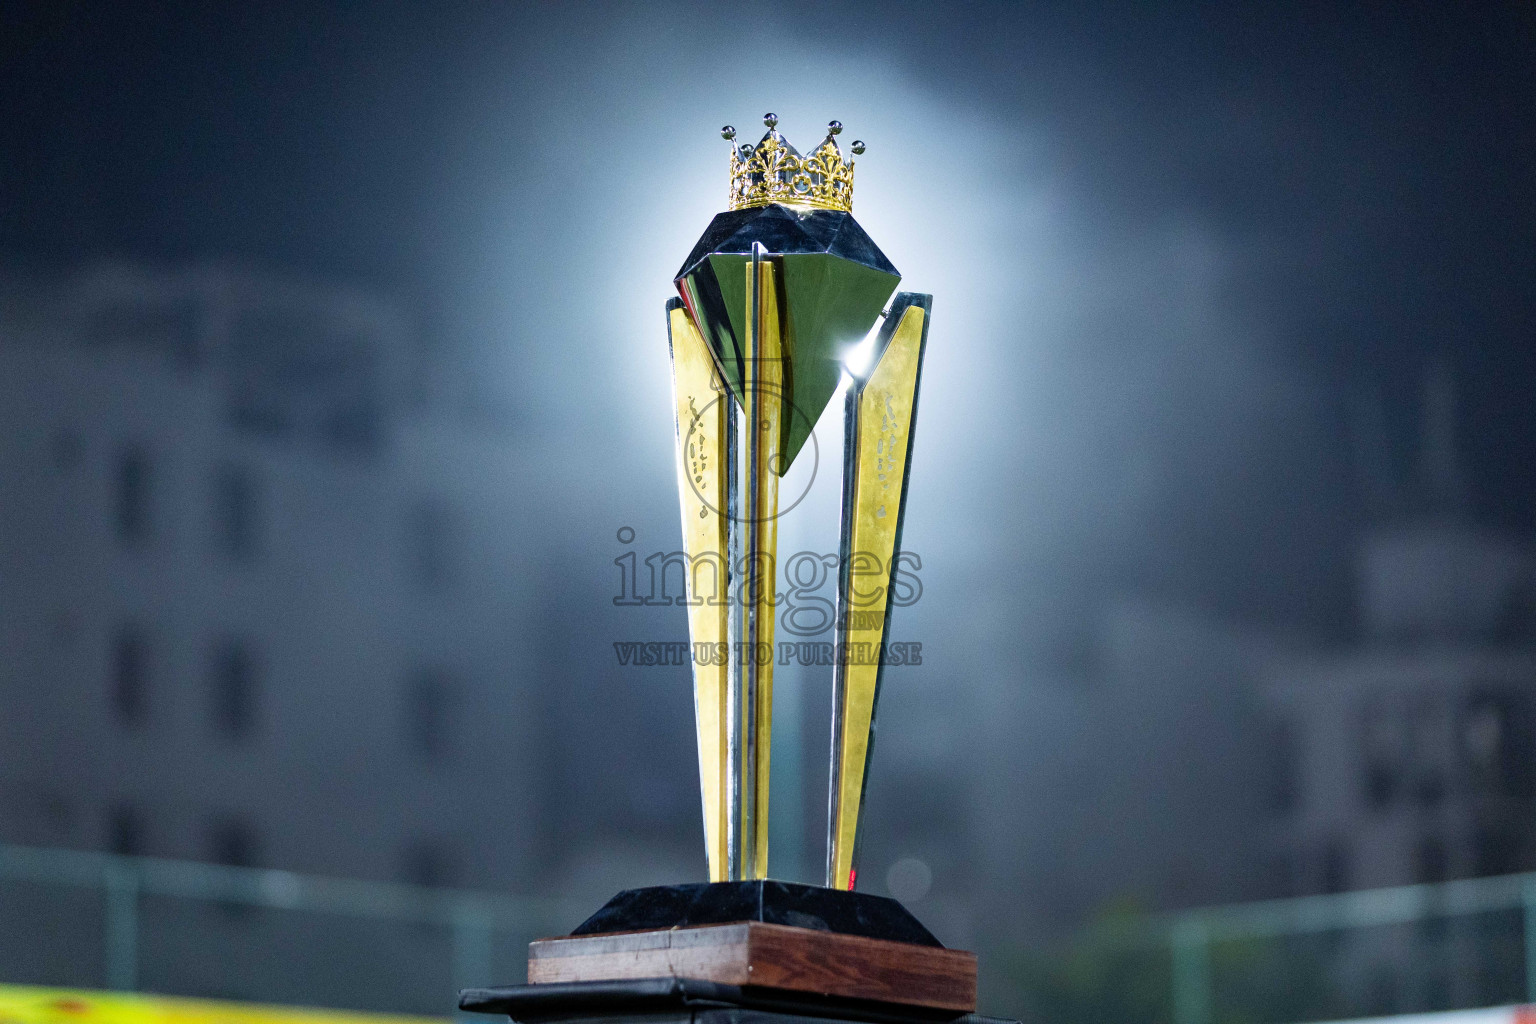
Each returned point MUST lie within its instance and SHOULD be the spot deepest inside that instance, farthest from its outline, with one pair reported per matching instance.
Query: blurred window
(1431, 861)
(232, 841)
(125, 831)
(430, 700)
(169, 328)
(1383, 750)
(429, 862)
(237, 518)
(1429, 790)
(134, 484)
(1334, 869)
(234, 684)
(130, 675)
(1427, 757)
(430, 545)
(301, 373)
(1282, 784)
(1499, 851)
(1497, 742)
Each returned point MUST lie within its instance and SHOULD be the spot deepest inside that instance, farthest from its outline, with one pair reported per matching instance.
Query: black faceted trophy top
(782, 230)
(787, 903)
(834, 283)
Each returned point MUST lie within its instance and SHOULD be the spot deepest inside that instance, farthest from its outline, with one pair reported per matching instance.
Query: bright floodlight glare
(858, 357)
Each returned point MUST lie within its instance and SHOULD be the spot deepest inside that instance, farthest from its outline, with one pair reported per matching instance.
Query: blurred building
(1412, 756)
(259, 598)
(1193, 760)
(266, 598)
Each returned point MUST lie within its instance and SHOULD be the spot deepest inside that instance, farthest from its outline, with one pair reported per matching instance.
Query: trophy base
(689, 1001)
(768, 937)
(765, 900)
(767, 956)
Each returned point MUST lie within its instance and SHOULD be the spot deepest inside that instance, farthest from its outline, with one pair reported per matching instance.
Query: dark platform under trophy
(777, 949)
(687, 1001)
(760, 900)
(746, 952)
(765, 935)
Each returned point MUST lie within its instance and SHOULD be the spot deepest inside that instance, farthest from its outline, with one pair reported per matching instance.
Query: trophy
(783, 301)
(778, 291)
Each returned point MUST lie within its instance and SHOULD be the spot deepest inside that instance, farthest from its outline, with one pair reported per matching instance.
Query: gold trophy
(778, 292)
(780, 289)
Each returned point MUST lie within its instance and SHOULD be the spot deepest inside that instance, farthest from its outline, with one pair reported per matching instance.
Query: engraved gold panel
(880, 431)
(704, 414)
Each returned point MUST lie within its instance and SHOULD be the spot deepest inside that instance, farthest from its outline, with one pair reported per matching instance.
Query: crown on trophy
(773, 171)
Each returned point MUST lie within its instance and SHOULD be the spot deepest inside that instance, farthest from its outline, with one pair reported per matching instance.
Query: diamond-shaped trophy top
(834, 283)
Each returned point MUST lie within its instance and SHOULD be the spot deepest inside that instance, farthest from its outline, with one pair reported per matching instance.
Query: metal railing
(1191, 936)
(471, 918)
(1186, 956)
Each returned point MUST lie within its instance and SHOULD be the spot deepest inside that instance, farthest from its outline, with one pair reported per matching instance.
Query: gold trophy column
(878, 421)
(706, 420)
(755, 545)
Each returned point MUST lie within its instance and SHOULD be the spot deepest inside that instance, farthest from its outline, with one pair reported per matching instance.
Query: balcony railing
(80, 919)
(166, 917)
(1411, 949)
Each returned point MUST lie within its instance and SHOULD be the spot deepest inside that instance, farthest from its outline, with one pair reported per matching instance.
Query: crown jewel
(773, 171)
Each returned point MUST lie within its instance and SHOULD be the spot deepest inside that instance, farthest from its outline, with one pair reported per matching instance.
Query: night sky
(1357, 179)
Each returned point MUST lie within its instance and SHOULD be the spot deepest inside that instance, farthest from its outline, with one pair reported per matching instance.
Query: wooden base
(769, 956)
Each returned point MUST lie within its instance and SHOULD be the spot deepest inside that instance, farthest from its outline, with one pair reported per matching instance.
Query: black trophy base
(689, 1001)
(763, 943)
(764, 901)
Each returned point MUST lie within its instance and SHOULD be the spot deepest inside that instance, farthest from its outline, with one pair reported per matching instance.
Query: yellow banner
(25, 1005)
